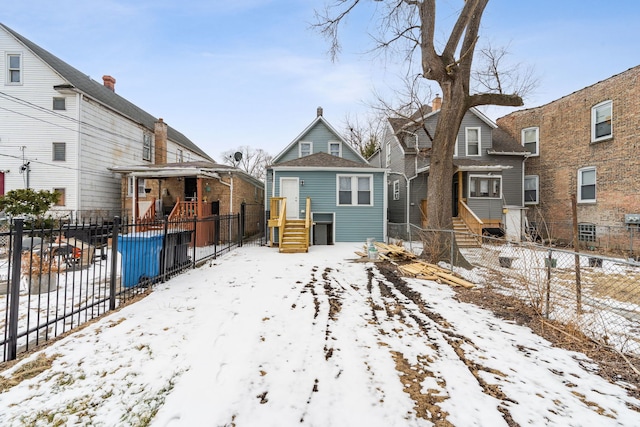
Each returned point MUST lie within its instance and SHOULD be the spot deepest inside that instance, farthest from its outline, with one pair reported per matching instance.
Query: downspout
(230, 191)
(134, 203)
(79, 151)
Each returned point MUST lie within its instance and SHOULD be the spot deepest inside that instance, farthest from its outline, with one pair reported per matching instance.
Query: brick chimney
(109, 82)
(160, 136)
(437, 103)
(319, 111)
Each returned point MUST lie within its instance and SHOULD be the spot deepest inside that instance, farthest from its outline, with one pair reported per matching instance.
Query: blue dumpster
(140, 257)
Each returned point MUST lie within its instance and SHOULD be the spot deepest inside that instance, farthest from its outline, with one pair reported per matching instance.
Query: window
(396, 190)
(355, 190)
(455, 148)
(334, 149)
(587, 185)
(61, 197)
(146, 147)
(14, 68)
(530, 140)
(59, 151)
(59, 104)
(485, 186)
(179, 156)
(131, 184)
(388, 154)
(601, 121)
(587, 232)
(473, 141)
(305, 149)
(531, 190)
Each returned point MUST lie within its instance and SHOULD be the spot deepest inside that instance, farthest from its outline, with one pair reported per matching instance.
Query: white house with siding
(60, 130)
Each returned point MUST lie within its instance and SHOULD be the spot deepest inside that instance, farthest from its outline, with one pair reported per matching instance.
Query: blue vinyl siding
(352, 223)
(320, 136)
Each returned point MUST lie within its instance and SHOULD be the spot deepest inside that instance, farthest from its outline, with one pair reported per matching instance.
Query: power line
(75, 121)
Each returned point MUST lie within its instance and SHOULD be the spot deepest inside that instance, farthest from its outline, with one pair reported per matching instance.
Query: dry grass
(28, 370)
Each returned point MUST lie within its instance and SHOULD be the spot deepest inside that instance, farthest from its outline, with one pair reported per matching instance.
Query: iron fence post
(14, 286)
(243, 211)
(195, 241)
(164, 251)
(114, 263)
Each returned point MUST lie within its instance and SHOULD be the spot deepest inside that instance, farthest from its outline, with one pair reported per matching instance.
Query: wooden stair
(294, 238)
(464, 238)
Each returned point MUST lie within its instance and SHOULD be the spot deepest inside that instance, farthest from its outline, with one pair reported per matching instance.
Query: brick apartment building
(586, 143)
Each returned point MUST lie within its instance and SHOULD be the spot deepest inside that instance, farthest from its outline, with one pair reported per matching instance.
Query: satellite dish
(237, 156)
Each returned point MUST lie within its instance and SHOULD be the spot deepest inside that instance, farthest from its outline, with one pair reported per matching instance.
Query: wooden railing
(183, 210)
(277, 215)
(470, 219)
(147, 217)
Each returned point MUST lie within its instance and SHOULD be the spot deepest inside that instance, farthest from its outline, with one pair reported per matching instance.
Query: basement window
(587, 232)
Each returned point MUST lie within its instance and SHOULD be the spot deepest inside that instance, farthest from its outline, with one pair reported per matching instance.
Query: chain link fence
(595, 294)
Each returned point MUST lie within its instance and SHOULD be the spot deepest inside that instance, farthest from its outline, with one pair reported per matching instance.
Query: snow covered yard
(259, 338)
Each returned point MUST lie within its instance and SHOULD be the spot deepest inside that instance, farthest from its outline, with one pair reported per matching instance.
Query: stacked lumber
(427, 271)
(414, 267)
(389, 252)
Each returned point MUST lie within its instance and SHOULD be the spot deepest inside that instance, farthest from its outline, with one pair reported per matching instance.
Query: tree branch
(505, 100)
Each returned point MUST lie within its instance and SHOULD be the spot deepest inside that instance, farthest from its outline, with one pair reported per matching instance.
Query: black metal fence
(53, 279)
(595, 294)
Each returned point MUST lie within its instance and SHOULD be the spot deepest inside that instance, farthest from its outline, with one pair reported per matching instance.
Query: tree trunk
(440, 181)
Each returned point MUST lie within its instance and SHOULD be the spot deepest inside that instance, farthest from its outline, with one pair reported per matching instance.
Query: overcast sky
(252, 72)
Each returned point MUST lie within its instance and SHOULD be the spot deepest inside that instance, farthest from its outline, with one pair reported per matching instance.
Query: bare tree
(252, 161)
(364, 137)
(409, 27)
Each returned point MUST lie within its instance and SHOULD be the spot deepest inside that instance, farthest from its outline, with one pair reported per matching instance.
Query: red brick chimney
(109, 82)
(160, 136)
(437, 103)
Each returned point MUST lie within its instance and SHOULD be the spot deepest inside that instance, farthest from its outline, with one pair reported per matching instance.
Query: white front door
(289, 190)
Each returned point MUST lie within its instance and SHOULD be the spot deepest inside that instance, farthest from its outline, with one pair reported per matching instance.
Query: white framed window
(455, 148)
(131, 185)
(531, 140)
(335, 149)
(587, 185)
(59, 103)
(355, 190)
(531, 190)
(59, 151)
(485, 186)
(188, 156)
(14, 68)
(387, 161)
(396, 190)
(473, 141)
(305, 148)
(601, 121)
(179, 156)
(146, 147)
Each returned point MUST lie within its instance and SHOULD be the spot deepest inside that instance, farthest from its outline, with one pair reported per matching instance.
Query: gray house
(488, 194)
(320, 190)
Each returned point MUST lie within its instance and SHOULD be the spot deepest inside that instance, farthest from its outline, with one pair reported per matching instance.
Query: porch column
(200, 201)
(460, 185)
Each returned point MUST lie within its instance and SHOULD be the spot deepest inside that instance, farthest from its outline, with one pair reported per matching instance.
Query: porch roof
(471, 165)
(167, 170)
